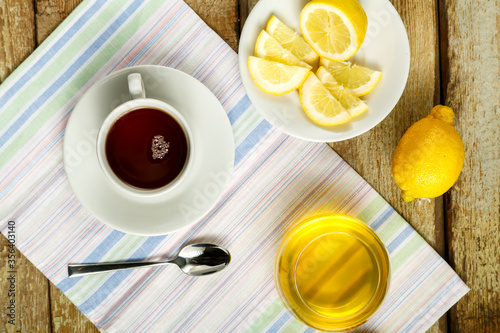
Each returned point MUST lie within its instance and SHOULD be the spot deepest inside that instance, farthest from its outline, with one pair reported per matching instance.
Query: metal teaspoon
(193, 259)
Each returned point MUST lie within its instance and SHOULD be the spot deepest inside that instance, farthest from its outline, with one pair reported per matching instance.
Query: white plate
(186, 203)
(385, 48)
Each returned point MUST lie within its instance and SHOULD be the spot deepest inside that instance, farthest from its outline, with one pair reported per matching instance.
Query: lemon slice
(351, 103)
(290, 40)
(320, 105)
(360, 80)
(274, 77)
(268, 48)
(335, 29)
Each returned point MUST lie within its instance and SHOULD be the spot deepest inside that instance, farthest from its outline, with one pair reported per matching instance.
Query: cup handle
(136, 86)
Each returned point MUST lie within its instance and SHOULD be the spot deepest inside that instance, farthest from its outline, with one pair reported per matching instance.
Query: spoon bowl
(202, 259)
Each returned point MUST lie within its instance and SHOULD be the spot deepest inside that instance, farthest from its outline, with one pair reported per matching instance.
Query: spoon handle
(75, 270)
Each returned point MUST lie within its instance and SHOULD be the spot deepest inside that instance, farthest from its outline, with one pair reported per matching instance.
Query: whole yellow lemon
(429, 156)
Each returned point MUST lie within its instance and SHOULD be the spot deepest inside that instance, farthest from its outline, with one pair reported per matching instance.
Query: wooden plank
(49, 13)
(473, 226)
(471, 84)
(17, 34)
(375, 148)
(65, 316)
(221, 16)
(32, 308)
(370, 154)
(245, 8)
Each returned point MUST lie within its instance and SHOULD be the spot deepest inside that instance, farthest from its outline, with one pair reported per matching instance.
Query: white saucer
(385, 48)
(203, 184)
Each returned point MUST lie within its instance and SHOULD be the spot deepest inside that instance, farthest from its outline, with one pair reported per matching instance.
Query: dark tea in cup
(146, 148)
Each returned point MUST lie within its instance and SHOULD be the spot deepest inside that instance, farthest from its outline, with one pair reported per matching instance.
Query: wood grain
(49, 13)
(17, 41)
(221, 16)
(471, 71)
(17, 34)
(467, 59)
(64, 314)
(245, 7)
(31, 289)
(370, 154)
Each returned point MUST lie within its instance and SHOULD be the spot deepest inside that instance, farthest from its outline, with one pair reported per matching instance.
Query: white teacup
(139, 101)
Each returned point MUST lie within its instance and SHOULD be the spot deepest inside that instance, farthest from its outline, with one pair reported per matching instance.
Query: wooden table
(454, 61)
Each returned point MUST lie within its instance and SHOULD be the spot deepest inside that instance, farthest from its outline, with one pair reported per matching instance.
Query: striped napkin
(277, 181)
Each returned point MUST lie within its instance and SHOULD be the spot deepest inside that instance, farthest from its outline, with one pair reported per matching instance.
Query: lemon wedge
(268, 48)
(351, 103)
(360, 80)
(274, 77)
(320, 105)
(290, 40)
(335, 29)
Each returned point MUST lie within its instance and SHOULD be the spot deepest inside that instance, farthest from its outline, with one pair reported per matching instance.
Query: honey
(332, 272)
